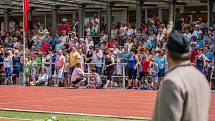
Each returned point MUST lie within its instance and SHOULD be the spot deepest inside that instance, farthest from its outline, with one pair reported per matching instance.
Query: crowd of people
(64, 59)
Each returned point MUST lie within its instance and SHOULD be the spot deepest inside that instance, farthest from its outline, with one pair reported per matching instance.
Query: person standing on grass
(184, 94)
(60, 62)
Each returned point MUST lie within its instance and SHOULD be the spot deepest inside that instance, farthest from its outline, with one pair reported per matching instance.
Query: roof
(71, 5)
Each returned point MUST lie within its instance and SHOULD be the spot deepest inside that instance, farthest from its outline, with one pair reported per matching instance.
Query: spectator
(89, 42)
(187, 33)
(161, 60)
(194, 53)
(197, 31)
(109, 69)
(154, 73)
(33, 70)
(200, 60)
(151, 26)
(42, 79)
(63, 37)
(208, 54)
(8, 66)
(125, 54)
(98, 58)
(77, 76)
(133, 62)
(64, 26)
(104, 37)
(16, 65)
(95, 80)
(60, 63)
(73, 59)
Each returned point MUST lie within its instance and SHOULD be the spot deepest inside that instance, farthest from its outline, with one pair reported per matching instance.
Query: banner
(25, 12)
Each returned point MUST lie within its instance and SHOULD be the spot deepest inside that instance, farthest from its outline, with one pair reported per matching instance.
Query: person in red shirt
(145, 64)
(112, 43)
(45, 46)
(194, 53)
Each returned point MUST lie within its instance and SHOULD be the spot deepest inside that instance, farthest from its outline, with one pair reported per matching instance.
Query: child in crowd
(207, 69)
(119, 65)
(33, 70)
(27, 70)
(154, 73)
(66, 73)
(95, 80)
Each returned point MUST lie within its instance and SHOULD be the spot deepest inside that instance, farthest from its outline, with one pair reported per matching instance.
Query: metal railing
(88, 66)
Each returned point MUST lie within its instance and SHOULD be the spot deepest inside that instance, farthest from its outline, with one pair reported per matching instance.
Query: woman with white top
(8, 66)
(42, 79)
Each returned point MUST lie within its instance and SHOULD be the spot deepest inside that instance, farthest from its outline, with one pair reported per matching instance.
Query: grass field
(59, 117)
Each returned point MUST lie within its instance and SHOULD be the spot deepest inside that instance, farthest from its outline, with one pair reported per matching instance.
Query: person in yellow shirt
(74, 57)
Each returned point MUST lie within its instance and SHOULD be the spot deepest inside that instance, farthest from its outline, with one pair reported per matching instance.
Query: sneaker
(135, 88)
(76, 87)
(129, 87)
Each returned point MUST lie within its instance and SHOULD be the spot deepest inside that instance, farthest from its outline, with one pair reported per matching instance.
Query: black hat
(178, 43)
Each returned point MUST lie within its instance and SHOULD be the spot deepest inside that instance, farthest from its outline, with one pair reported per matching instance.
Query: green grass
(60, 117)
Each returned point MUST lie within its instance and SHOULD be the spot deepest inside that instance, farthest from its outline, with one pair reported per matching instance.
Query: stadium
(107, 60)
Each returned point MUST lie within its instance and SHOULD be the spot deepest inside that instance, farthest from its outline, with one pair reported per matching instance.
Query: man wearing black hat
(184, 94)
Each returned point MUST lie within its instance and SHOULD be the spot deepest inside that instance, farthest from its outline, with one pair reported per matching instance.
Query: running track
(116, 102)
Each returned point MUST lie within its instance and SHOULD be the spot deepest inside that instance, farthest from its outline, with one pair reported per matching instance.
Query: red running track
(117, 102)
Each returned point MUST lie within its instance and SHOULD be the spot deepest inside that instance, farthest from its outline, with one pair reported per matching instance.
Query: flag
(25, 12)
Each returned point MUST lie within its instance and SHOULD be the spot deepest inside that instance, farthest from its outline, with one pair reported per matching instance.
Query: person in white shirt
(160, 35)
(42, 79)
(196, 31)
(104, 37)
(187, 33)
(77, 76)
(122, 30)
(8, 66)
(129, 31)
(97, 58)
(15, 42)
(130, 42)
(114, 31)
(89, 42)
(63, 37)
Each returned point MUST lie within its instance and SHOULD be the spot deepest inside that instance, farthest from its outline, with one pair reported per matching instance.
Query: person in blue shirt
(154, 73)
(53, 60)
(161, 60)
(125, 54)
(207, 53)
(148, 44)
(133, 63)
(16, 65)
(200, 60)
(59, 45)
(200, 40)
